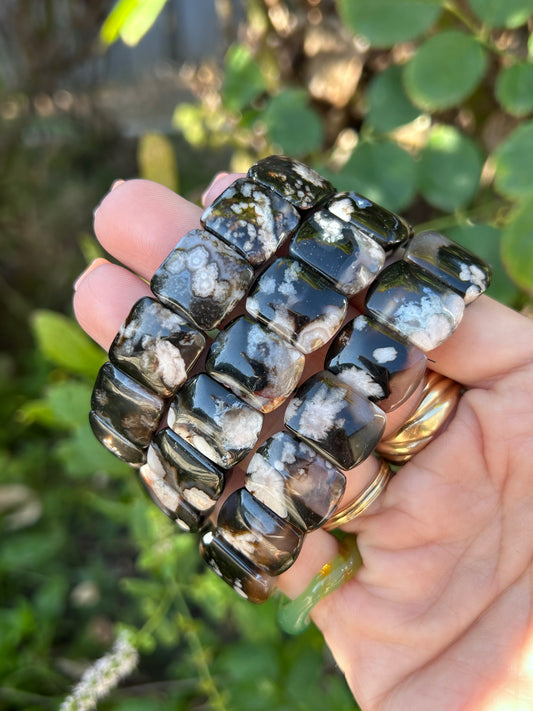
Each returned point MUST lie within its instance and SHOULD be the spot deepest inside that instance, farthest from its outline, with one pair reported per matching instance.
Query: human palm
(439, 616)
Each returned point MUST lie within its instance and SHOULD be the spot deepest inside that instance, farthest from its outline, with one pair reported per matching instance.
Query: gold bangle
(438, 402)
(363, 500)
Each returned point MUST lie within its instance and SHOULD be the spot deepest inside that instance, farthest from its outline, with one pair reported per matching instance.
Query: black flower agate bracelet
(338, 247)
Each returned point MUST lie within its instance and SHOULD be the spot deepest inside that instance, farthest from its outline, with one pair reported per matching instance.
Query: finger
(103, 298)
(491, 340)
(141, 222)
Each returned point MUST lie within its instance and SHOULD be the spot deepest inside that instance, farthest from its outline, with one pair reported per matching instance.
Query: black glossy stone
(181, 479)
(126, 405)
(300, 185)
(295, 482)
(342, 425)
(369, 218)
(371, 361)
(170, 502)
(414, 305)
(238, 572)
(257, 533)
(453, 265)
(203, 279)
(191, 471)
(297, 305)
(255, 364)
(116, 443)
(252, 219)
(214, 420)
(155, 347)
(343, 255)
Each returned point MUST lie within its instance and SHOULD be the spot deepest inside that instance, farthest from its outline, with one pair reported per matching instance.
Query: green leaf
(449, 169)
(292, 124)
(514, 89)
(64, 406)
(157, 160)
(382, 171)
(513, 159)
(130, 20)
(517, 247)
(388, 104)
(445, 70)
(485, 241)
(502, 13)
(243, 80)
(82, 455)
(189, 119)
(64, 343)
(386, 22)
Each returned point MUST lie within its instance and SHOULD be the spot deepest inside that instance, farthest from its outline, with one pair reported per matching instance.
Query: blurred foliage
(423, 105)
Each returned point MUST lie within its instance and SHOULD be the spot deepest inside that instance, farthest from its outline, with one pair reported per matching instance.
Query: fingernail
(95, 263)
(206, 192)
(116, 183)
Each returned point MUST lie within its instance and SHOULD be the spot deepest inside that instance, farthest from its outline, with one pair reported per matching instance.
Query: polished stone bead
(201, 481)
(252, 219)
(414, 305)
(300, 185)
(255, 364)
(236, 570)
(155, 347)
(453, 265)
(376, 364)
(182, 482)
(116, 443)
(125, 405)
(170, 502)
(295, 482)
(339, 423)
(258, 533)
(214, 421)
(297, 305)
(386, 228)
(346, 257)
(203, 279)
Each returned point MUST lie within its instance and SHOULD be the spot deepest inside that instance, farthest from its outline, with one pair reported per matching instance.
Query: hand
(439, 617)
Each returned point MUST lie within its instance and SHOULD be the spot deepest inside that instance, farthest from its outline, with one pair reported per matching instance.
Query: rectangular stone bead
(170, 502)
(125, 405)
(257, 533)
(340, 424)
(214, 420)
(190, 469)
(255, 364)
(297, 305)
(295, 482)
(239, 573)
(116, 443)
(203, 278)
(450, 263)
(414, 305)
(156, 347)
(386, 228)
(373, 362)
(252, 219)
(343, 255)
(180, 479)
(300, 185)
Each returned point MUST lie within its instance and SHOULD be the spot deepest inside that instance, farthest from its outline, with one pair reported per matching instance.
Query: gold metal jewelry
(363, 500)
(438, 402)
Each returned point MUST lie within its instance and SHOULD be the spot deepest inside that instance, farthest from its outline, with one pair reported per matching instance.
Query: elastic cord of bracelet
(338, 244)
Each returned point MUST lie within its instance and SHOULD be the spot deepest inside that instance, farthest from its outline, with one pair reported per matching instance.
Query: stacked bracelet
(339, 245)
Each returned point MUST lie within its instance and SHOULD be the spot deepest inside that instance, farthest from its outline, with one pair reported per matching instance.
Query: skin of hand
(439, 617)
